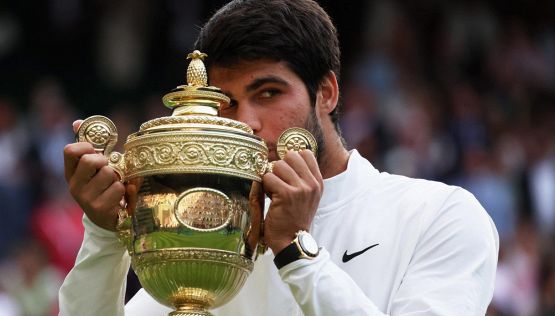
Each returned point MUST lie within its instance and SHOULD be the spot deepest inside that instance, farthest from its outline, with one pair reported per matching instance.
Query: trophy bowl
(194, 204)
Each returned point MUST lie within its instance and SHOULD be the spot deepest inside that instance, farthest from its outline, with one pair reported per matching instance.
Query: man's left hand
(295, 187)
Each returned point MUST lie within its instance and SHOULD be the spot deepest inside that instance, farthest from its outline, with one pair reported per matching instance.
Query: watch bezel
(301, 240)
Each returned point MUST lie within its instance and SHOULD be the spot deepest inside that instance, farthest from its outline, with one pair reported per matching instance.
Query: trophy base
(191, 311)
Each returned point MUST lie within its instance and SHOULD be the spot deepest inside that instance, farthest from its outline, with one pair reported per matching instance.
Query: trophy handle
(102, 133)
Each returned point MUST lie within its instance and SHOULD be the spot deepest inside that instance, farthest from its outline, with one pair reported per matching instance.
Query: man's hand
(92, 183)
(295, 188)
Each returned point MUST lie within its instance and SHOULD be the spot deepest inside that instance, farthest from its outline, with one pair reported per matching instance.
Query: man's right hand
(92, 183)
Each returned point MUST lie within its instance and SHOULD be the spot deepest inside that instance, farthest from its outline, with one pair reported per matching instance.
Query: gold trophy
(193, 218)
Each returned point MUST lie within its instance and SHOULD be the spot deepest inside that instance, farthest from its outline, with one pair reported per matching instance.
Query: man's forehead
(247, 72)
(243, 66)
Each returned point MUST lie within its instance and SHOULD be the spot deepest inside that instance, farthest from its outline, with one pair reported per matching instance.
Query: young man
(390, 245)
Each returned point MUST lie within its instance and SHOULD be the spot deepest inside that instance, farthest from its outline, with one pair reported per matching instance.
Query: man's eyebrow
(257, 83)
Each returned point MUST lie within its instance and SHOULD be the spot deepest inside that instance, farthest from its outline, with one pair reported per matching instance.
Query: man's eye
(269, 93)
(232, 104)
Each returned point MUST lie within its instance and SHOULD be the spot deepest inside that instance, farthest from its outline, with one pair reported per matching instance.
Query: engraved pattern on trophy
(192, 119)
(97, 134)
(148, 258)
(203, 209)
(100, 132)
(199, 153)
(296, 139)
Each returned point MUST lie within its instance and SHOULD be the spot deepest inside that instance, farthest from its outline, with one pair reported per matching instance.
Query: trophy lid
(195, 105)
(194, 139)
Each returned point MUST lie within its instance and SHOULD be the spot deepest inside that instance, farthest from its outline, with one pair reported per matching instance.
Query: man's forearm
(96, 284)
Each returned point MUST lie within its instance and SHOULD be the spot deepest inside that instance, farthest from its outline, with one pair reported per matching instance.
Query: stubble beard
(313, 126)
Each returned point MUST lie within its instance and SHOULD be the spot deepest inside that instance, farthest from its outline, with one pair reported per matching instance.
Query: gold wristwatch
(302, 247)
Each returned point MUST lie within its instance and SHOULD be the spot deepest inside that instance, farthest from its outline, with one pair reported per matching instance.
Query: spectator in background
(8, 305)
(31, 280)
(516, 285)
(56, 223)
(541, 178)
(50, 112)
(547, 285)
(56, 218)
(15, 193)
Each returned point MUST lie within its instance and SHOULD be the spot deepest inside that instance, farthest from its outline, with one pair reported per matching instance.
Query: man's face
(267, 96)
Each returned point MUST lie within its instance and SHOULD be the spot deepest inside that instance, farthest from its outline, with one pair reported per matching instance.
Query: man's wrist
(279, 245)
(96, 230)
(302, 247)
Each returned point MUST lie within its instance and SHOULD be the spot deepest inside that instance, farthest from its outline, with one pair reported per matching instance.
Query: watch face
(308, 244)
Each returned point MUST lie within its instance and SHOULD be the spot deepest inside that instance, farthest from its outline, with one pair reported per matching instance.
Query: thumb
(76, 125)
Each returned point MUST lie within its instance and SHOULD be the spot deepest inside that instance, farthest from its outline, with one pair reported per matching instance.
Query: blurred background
(456, 91)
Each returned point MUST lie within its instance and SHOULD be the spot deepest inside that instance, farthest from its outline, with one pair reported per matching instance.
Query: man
(390, 245)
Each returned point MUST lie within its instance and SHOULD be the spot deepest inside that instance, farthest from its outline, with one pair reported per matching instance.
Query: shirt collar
(350, 182)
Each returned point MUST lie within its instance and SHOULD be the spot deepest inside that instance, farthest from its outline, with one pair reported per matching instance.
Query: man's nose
(248, 114)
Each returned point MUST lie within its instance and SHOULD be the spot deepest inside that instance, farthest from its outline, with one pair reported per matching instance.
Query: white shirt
(434, 252)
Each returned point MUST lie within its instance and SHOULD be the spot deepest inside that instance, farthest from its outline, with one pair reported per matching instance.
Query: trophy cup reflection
(193, 218)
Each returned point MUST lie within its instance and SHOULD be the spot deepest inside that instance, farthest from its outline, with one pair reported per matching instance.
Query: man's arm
(96, 284)
(451, 272)
(93, 184)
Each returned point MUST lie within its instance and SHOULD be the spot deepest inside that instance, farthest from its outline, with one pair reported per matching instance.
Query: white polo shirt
(391, 245)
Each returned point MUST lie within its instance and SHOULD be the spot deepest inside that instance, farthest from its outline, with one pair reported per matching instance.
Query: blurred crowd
(460, 92)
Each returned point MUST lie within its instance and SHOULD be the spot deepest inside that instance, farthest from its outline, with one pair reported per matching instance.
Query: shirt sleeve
(321, 288)
(451, 272)
(96, 284)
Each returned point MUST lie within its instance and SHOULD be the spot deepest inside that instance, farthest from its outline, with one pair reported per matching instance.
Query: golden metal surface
(296, 139)
(203, 209)
(185, 95)
(99, 131)
(193, 217)
(195, 151)
(196, 72)
(211, 277)
(195, 119)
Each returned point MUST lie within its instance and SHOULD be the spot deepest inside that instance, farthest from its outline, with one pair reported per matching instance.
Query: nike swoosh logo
(347, 258)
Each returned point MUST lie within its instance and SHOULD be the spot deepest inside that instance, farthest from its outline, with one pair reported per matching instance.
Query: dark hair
(298, 32)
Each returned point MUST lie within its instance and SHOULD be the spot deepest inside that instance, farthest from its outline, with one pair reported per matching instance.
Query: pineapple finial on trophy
(196, 72)
(196, 97)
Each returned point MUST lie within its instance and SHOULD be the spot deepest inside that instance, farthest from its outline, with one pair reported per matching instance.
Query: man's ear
(328, 94)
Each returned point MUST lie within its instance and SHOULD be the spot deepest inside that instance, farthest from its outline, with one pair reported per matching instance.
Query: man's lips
(272, 152)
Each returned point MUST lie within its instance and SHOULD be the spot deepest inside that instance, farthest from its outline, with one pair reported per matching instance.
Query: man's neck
(334, 158)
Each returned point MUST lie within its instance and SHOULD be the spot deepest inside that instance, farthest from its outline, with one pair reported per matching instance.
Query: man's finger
(76, 125)
(286, 173)
(86, 168)
(273, 184)
(112, 195)
(312, 164)
(101, 181)
(105, 213)
(299, 165)
(72, 154)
